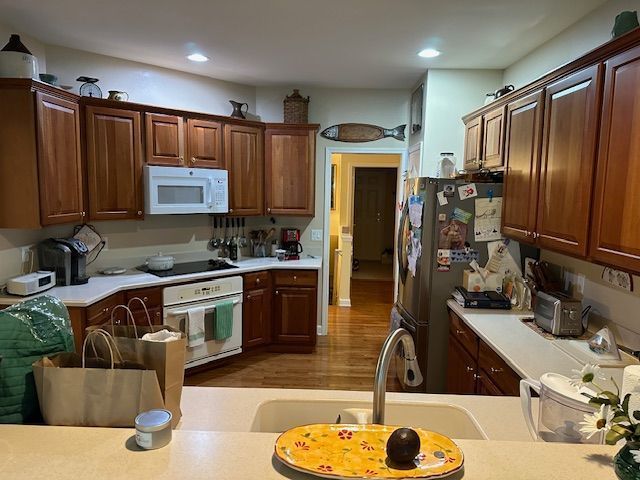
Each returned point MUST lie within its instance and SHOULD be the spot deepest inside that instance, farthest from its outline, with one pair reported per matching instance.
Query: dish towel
(224, 320)
(195, 326)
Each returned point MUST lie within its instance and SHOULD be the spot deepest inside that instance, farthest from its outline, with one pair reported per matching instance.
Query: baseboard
(344, 302)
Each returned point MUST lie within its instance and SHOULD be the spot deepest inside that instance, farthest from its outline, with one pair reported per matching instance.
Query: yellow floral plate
(359, 451)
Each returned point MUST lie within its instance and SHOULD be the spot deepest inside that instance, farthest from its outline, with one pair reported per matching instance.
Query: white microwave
(171, 190)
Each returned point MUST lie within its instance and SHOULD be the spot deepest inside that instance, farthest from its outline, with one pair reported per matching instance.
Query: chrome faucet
(412, 375)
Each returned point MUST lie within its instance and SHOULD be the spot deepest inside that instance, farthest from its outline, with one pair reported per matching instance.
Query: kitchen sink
(275, 416)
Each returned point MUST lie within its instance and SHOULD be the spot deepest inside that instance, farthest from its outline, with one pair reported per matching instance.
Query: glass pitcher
(561, 409)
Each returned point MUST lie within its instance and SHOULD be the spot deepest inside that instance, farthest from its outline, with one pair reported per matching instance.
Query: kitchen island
(214, 441)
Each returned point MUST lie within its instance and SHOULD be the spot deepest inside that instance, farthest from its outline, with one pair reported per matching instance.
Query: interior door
(369, 212)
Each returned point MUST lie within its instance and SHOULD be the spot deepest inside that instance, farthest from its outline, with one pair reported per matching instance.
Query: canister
(153, 429)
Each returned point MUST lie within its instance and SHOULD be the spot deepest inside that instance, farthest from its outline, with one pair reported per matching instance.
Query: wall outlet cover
(316, 235)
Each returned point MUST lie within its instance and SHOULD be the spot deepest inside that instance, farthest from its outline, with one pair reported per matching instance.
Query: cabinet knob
(277, 292)
(145, 299)
(83, 214)
(495, 371)
(139, 212)
(157, 314)
(231, 210)
(193, 160)
(460, 332)
(181, 160)
(257, 281)
(536, 234)
(248, 297)
(295, 278)
(476, 376)
(268, 210)
(470, 369)
(527, 233)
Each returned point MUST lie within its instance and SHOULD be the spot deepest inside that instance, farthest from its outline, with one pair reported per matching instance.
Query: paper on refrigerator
(487, 219)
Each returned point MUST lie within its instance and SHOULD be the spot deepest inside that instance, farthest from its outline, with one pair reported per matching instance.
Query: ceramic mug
(119, 96)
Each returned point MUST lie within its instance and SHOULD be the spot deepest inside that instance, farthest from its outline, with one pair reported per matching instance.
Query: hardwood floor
(344, 360)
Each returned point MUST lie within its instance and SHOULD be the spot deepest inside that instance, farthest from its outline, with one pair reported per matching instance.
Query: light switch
(316, 235)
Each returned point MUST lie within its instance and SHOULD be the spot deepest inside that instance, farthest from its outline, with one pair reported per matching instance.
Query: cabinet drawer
(305, 278)
(152, 297)
(100, 312)
(256, 280)
(461, 332)
(498, 371)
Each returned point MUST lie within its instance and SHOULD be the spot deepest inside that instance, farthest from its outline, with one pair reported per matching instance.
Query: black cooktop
(189, 267)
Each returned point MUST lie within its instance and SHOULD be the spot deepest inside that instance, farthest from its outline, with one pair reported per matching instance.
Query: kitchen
(153, 118)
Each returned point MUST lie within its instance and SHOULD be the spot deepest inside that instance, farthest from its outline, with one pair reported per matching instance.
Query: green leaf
(613, 398)
(611, 438)
(620, 419)
(625, 403)
(621, 430)
(637, 430)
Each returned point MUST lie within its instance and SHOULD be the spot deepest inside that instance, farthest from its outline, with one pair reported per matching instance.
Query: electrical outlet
(26, 253)
(316, 235)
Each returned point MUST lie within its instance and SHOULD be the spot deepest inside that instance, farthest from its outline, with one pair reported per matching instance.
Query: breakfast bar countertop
(101, 286)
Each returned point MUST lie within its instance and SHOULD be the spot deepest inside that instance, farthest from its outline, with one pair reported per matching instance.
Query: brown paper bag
(94, 397)
(166, 358)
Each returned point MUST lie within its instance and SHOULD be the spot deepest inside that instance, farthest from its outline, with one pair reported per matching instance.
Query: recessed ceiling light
(197, 57)
(429, 53)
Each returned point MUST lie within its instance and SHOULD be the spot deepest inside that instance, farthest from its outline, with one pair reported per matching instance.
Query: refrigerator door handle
(401, 268)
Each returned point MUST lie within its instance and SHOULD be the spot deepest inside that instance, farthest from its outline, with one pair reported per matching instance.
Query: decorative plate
(346, 451)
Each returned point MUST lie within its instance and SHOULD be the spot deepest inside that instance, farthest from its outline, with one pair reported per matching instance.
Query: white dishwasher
(179, 299)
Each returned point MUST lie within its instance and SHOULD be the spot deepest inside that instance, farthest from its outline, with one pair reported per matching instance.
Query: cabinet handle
(268, 210)
(158, 314)
(231, 210)
(460, 332)
(193, 160)
(139, 213)
(536, 234)
(257, 281)
(495, 371)
(295, 278)
(83, 214)
(527, 233)
(248, 297)
(476, 376)
(277, 292)
(145, 299)
(470, 369)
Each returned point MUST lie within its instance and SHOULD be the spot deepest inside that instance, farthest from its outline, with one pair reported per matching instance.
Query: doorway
(374, 223)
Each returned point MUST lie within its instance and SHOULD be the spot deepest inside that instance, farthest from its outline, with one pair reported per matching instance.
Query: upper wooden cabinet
(59, 160)
(571, 117)
(114, 164)
(204, 142)
(522, 155)
(244, 159)
(615, 234)
(493, 138)
(290, 169)
(165, 139)
(473, 144)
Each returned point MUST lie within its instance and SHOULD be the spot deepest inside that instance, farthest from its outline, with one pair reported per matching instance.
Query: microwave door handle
(184, 312)
(210, 192)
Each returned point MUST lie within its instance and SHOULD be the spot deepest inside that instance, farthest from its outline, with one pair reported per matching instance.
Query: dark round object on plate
(403, 446)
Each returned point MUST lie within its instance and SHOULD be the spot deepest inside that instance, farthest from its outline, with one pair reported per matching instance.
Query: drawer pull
(470, 369)
(495, 371)
(145, 299)
(476, 376)
(257, 281)
(460, 332)
(277, 292)
(248, 297)
(295, 278)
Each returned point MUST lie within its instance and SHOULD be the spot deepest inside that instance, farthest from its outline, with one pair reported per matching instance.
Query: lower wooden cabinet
(256, 311)
(473, 367)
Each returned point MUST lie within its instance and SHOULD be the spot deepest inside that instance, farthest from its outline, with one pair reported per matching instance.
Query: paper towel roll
(631, 384)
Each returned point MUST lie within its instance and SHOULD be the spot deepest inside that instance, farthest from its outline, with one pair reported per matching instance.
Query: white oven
(170, 190)
(179, 299)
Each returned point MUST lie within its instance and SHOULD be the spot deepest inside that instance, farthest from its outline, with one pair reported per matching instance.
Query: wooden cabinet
(522, 155)
(244, 159)
(615, 234)
(290, 169)
(493, 138)
(571, 114)
(461, 370)
(59, 160)
(204, 142)
(485, 386)
(472, 144)
(256, 310)
(100, 312)
(165, 139)
(114, 164)
(294, 311)
(151, 298)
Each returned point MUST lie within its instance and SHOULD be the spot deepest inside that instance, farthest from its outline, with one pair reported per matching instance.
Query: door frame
(329, 152)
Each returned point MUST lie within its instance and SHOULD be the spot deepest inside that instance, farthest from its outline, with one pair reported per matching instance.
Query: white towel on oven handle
(195, 326)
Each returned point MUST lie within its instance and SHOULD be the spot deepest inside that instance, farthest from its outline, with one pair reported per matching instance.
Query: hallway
(344, 360)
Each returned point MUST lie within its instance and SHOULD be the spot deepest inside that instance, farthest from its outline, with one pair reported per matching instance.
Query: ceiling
(333, 43)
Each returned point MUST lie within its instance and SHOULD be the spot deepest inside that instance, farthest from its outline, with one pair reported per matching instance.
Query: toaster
(558, 314)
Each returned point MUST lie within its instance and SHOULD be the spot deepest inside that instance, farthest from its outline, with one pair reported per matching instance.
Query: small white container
(281, 254)
(153, 429)
(18, 65)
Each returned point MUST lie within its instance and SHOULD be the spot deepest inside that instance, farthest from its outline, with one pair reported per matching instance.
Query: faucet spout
(411, 374)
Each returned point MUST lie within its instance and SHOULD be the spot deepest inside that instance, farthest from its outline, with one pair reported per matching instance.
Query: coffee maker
(65, 256)
(291, 243)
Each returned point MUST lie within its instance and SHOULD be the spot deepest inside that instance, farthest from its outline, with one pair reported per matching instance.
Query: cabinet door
(244, 159)
(204, 139)
(461, 369)
(487, 387)
(59, 160)
(615, 237)
(256, 318)
(493, 367)
(165, 139)
(114, 164)
(473, 144)
(290, 171)
(493, 139)
(522, 160)
(567, 167)
(294, 315)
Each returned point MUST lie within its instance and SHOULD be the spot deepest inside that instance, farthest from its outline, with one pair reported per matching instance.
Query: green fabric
(28, 331)
(223, 327)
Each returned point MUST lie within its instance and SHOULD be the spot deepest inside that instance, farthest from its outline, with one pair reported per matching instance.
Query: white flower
(636, 455)
(586, 375)
(595, 422)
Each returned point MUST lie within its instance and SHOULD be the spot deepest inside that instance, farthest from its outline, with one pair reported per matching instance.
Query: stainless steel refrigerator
(423, 293)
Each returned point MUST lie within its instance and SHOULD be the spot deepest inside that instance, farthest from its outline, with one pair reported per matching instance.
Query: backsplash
(130, 242)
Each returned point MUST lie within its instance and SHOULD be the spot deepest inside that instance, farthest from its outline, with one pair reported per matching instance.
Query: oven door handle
(207, 309)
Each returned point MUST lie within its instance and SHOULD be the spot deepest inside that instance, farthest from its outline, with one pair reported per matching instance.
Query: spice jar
(153, 429)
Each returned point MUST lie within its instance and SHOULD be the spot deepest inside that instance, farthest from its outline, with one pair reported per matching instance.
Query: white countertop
(101, 286)
(527, 352)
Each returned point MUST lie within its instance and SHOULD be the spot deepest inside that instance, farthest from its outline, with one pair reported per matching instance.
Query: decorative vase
(624, 465)
(625, 22)
(16, 61)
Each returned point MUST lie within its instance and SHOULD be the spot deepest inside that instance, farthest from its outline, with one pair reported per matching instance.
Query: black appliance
(291, 243)
(65, 256)
(190, 267)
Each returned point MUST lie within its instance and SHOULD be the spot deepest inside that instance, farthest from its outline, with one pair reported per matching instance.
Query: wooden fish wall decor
(361, 132)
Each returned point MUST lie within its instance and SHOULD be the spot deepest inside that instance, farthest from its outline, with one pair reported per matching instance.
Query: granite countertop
(101, 286)
(526, 351)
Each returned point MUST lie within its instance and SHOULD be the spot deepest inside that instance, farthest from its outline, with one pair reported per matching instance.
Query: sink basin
(275, 416)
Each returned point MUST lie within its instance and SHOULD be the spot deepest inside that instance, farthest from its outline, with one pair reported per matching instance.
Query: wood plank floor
(344, 360)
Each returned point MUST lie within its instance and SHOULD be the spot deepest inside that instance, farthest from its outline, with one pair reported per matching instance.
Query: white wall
(588, 33)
